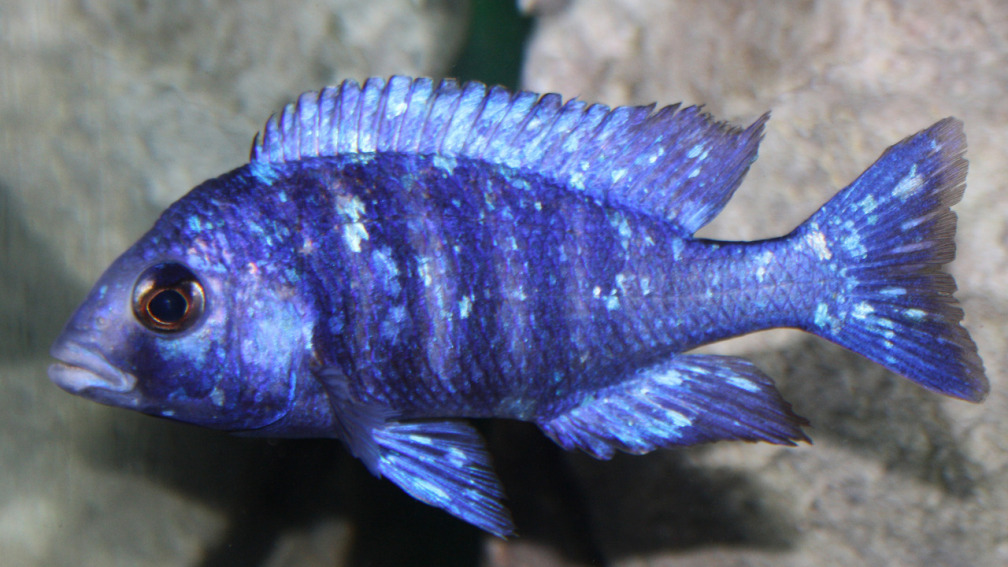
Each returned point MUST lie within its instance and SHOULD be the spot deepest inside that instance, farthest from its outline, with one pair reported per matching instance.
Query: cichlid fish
(401, 255)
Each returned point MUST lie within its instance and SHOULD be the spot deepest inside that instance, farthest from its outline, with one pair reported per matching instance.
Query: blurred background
(110, 110)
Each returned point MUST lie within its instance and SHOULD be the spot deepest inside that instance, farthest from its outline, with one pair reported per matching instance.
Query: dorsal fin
(676, 163)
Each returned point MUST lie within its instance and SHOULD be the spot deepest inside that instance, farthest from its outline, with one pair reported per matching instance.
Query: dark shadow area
(663, 502)
(394, 529)
(291, 486)
(544, 494)
(37, 295)
(495, 48)
(264, 488)
(269, 488)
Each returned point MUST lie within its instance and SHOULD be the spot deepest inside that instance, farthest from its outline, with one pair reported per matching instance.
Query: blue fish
(401, 255)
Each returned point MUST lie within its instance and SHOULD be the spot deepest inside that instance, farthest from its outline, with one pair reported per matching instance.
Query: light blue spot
(863, 310)
(519, 294)
(621, 281)
(624, 228)
(909, 184)
(421, 439)
(612, 301)
(884, 322)
(677, 248)
(465, 306)
(263, 172)
(392, 323)
(351, 207)
(571, 144)
(577, 181)
(353, 234)
(822, 316)
(430, 490)
(744, 384)
(670, 378)
(868, 204)
(383, 260)
(445, 163)
(217, 396)
(677, 419)
(457, 459)
(625, 232)
(817, 241)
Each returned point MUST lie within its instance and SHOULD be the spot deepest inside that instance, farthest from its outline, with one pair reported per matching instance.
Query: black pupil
(168, 306)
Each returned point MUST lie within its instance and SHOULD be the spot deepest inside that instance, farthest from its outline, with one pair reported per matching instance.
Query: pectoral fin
(441, 463)
(444, 464)
(687, 400)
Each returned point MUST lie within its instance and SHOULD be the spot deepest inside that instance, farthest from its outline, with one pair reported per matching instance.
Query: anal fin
(687, 400)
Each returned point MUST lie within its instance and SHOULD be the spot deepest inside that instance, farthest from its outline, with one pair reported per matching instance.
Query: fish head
(191, 332)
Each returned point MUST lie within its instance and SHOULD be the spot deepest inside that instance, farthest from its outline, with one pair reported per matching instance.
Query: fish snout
(81, 368)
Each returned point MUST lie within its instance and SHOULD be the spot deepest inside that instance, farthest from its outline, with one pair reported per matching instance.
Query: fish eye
(168, 298)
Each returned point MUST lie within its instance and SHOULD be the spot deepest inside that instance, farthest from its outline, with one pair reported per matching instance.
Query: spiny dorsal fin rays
(675, 163)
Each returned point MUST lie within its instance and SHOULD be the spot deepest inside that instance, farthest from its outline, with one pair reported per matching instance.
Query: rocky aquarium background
(110, 110)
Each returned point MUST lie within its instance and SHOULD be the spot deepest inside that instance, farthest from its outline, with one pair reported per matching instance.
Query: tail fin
(886, 236)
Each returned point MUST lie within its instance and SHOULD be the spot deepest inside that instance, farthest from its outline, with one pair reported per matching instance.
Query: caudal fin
(885, 238)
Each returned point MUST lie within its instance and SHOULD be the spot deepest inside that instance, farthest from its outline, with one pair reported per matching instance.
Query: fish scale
(401, 255)
(521, 273)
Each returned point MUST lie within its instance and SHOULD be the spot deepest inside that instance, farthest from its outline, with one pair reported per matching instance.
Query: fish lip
(81, 368)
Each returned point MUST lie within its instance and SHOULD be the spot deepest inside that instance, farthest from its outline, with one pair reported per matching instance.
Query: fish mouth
(82, 371)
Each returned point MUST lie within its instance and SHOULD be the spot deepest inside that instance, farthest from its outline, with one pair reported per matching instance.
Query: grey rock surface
(111, 110)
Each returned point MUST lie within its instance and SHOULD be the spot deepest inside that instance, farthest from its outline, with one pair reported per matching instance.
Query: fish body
(399, 256)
